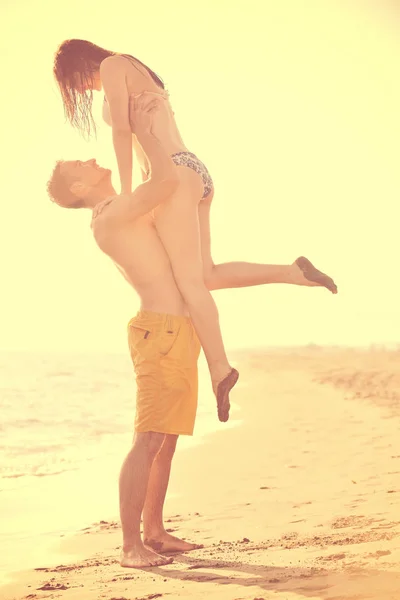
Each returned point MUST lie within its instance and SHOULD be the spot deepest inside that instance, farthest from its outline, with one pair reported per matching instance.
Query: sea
(66, 425)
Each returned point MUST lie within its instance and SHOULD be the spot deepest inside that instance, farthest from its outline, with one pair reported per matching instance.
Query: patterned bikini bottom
(188, 159)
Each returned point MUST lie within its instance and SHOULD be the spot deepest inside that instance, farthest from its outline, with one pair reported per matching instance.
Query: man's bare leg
(154, 534)
(133, 486)
(244, 274)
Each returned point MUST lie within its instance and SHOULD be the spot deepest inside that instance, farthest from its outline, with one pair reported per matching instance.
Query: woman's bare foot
(142, 557)
(221, 390)
(169, 544)
(307, 274)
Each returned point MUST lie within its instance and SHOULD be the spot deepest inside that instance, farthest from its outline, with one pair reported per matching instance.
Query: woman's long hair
(75, 62)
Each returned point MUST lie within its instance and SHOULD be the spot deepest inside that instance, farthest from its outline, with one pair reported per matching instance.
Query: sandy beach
(299, 501)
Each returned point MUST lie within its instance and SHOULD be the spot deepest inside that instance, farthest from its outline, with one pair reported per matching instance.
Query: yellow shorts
(164, 350)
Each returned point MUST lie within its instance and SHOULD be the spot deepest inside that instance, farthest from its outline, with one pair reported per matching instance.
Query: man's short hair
(59, 191)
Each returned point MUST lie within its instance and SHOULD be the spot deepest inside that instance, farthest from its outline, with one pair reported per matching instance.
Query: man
(162, 341)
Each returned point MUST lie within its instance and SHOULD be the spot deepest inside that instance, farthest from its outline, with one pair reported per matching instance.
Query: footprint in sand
(351, 521)
(210, 565)
(53, 586)
(149, 597)
(331, 557)
(379, 553)
(298, 521)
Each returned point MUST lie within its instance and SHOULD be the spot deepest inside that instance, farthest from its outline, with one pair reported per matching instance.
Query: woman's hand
(142, 108)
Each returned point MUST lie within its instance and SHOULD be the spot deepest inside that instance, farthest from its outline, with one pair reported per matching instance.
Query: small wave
(41, 450)
(61, 374)
(32, 473)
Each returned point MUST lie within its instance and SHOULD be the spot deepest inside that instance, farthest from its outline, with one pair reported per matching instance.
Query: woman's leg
(244, 274)
(177, 224)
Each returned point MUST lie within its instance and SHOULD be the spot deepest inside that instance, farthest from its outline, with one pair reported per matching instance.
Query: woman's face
(82, 84)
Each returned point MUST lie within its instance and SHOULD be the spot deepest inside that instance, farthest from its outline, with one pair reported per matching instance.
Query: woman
(81, 67)
(182, 222)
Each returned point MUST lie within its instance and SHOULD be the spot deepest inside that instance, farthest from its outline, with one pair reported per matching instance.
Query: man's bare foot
(221, 390)
(169, 544)
(312, 277)
(142, 557)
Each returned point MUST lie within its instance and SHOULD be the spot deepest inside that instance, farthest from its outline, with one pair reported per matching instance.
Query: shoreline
(301, 501)
(47, 544)
(42, 509)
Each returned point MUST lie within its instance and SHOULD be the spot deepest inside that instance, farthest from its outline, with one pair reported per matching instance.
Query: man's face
(87, 173)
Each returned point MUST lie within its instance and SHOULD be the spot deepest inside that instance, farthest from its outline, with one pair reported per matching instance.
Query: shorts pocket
(137, 332)
(168, 340)
(140, 340)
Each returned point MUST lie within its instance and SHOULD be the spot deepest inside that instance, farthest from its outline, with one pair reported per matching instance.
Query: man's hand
(142, 108)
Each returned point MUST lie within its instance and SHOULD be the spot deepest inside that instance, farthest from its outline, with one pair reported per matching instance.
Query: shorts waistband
(161, 318)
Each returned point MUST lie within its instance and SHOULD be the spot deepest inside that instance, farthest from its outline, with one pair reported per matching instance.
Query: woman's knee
(191, 286)
(210, 277)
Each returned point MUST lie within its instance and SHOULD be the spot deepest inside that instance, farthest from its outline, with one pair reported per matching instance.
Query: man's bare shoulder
(114, 211)
(106, 219)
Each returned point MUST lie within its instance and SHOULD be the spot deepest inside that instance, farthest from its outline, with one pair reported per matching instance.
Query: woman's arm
(113, 79)
(164, 180)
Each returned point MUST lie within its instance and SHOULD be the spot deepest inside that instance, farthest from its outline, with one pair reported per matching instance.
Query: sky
(294, 108)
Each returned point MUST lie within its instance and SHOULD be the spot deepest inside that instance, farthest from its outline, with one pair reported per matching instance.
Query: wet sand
(300, 501)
